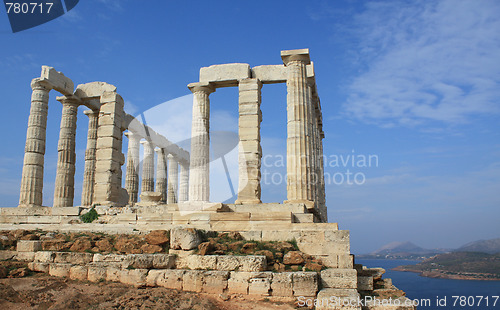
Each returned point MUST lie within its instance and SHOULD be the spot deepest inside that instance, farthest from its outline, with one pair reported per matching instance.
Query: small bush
(90, 216)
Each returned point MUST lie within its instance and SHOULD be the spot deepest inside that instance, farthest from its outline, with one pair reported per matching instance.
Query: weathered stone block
(29, 245)
(96, 273)
(25, 256)
(365, 283)
(39, 267)
(73, 258)
(339, 278)
(78, 273)
(171, 279)
(215, 282)
(153, 276)
(113, 273)
(305, 283)
(163, 261)
(270, 73)
(282, 284)
(226, 74)
(184, 238)
(59, 270)
(332, 298)
(57, 80)
(259, 286)
(44, 256)
(135, 277)
(193, 280)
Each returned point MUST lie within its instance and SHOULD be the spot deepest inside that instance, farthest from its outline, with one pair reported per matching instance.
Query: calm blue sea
(421, 288)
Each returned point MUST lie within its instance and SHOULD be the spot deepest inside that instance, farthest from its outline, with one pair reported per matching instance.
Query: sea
(440, 294)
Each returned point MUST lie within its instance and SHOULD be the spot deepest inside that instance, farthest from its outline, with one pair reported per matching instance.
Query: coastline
(439, 274)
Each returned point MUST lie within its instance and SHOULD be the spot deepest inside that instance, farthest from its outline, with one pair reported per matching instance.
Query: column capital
(201, 87)
(40, 84)
(159, 150)
(132, 135)
(301, 55)
(147, 142)
(69, 100)
(90, 113)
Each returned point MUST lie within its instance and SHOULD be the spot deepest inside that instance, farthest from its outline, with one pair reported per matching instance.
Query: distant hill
(400, 247)
(491, 246)
(458, 265)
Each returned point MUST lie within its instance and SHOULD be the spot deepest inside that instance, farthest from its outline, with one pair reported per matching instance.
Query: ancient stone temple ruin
(175, 186)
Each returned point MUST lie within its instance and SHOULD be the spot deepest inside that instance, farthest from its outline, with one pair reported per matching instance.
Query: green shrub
(90, 216)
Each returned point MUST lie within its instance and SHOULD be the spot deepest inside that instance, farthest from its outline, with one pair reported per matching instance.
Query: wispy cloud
(426, 61)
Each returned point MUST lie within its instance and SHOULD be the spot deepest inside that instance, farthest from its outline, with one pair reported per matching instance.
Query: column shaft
(183, 181)
(90, 158)
(65, 176)
(173, 178)
(299, 144)
(132, 172)
(199, 186)
(161, 174)
(249, 151)
(148, 167)
(32, 177)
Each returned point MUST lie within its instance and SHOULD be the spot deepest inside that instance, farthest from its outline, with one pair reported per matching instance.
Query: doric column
(132, 173)
(173, 178)
(34, 151)
(183, 181)
(311, 134)
(298, 124)
(250, 151)
(65, 176)
(148, 167)
(161, 173)
(199, 187)
(90, 158)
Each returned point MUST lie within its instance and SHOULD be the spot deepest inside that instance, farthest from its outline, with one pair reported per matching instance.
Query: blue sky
(415, 83)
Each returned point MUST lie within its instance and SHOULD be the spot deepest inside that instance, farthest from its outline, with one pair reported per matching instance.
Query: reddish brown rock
(19, 273)
(235, 246)
(234, 235)
(310, 266)
(158, 237)
(30, 237)
(151, 249)
(3, 272)
(279, 267)
(81, 244)
(205, 248)
(293, 258)
(55, 245)
(268, 254)
(104, 245)
(127, 245)
(248, 248)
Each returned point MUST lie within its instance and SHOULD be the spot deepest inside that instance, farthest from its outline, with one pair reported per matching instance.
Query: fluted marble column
(183, 181)
(298, 124)
(311, 136)
(199, 186)
(173, 178)
(148, 167)
(161, 173)
(34, 151)
(65, 176)
(90, 158)
(132, 172)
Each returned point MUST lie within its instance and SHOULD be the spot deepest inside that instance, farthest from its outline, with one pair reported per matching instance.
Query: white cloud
(426, 61)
